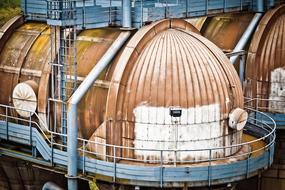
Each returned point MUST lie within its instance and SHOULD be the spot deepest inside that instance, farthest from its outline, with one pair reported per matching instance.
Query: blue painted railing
(214, 171)
(277, 112)
(99, 13)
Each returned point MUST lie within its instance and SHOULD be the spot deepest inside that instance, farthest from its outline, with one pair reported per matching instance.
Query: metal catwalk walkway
(46, 152)
(101, 13)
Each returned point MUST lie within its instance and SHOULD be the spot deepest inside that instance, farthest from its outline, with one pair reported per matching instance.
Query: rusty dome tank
(24, 68)
(172, 89)
(265, 66)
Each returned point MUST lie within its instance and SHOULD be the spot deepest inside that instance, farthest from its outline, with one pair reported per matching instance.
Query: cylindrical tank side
(91, 46)
(13, 57)
(26, 56)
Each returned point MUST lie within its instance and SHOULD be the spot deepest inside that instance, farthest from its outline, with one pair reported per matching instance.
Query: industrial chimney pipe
(72, 126)
(127, 14)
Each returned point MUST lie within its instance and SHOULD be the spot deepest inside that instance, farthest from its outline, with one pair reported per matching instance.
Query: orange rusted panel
(266, 56)
(226, 30)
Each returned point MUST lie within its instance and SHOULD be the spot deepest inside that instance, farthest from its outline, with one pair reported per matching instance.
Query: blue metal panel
(104, 12)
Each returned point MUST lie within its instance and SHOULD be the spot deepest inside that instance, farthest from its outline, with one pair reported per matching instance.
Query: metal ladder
(62, 19)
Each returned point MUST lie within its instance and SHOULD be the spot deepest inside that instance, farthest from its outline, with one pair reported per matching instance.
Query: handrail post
(83, 167)
(247, 166)
(175, 157)
(115, 164)
(7, 125)
(30, 126)
(51, 144)
(161, 168)
(210, 167)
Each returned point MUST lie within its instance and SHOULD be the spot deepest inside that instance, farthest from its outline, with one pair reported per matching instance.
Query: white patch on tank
(197, 128)
(277, 91)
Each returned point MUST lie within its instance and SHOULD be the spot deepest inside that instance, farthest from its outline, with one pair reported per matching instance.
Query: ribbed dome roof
(177, 68)
(266, 53)
(171, 66)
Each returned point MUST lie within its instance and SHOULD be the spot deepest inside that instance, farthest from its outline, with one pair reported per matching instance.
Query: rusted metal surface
(13, 56)
(8, 28)
(164, 66)
(91, 46)
(265, 61)
(26, 56)
(226, 30)
(197, 22)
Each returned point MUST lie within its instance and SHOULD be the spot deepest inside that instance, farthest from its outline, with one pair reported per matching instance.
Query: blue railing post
(161, 168)
(51, 145)
(83, 167)
(247, 166)
(7, 124)
(115, 164)
(210, 167)
(30, 125)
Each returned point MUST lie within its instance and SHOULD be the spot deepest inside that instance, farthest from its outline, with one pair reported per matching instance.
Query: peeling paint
(277, 91)
(197, 128)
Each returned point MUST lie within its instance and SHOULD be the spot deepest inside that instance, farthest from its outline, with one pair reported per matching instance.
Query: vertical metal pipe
(72, 131)
(260, 6)
(246, 35)
(127, 14)
(270, 3)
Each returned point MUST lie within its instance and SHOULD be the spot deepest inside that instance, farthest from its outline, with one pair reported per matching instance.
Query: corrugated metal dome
(177, 68)
(165, 66)
(265, 62)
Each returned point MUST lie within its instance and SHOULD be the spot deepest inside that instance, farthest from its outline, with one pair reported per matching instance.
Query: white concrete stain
(197, 128)
(277, 91)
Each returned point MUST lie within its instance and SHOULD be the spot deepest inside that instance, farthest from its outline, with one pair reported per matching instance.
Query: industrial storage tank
(166, 69)
(160, 70)
(264, 77)
(26, 69)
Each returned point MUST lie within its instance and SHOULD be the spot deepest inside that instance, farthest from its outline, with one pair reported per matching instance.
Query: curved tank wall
(26, 56)
(265, 66)
(167, 66)
(226, 30)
